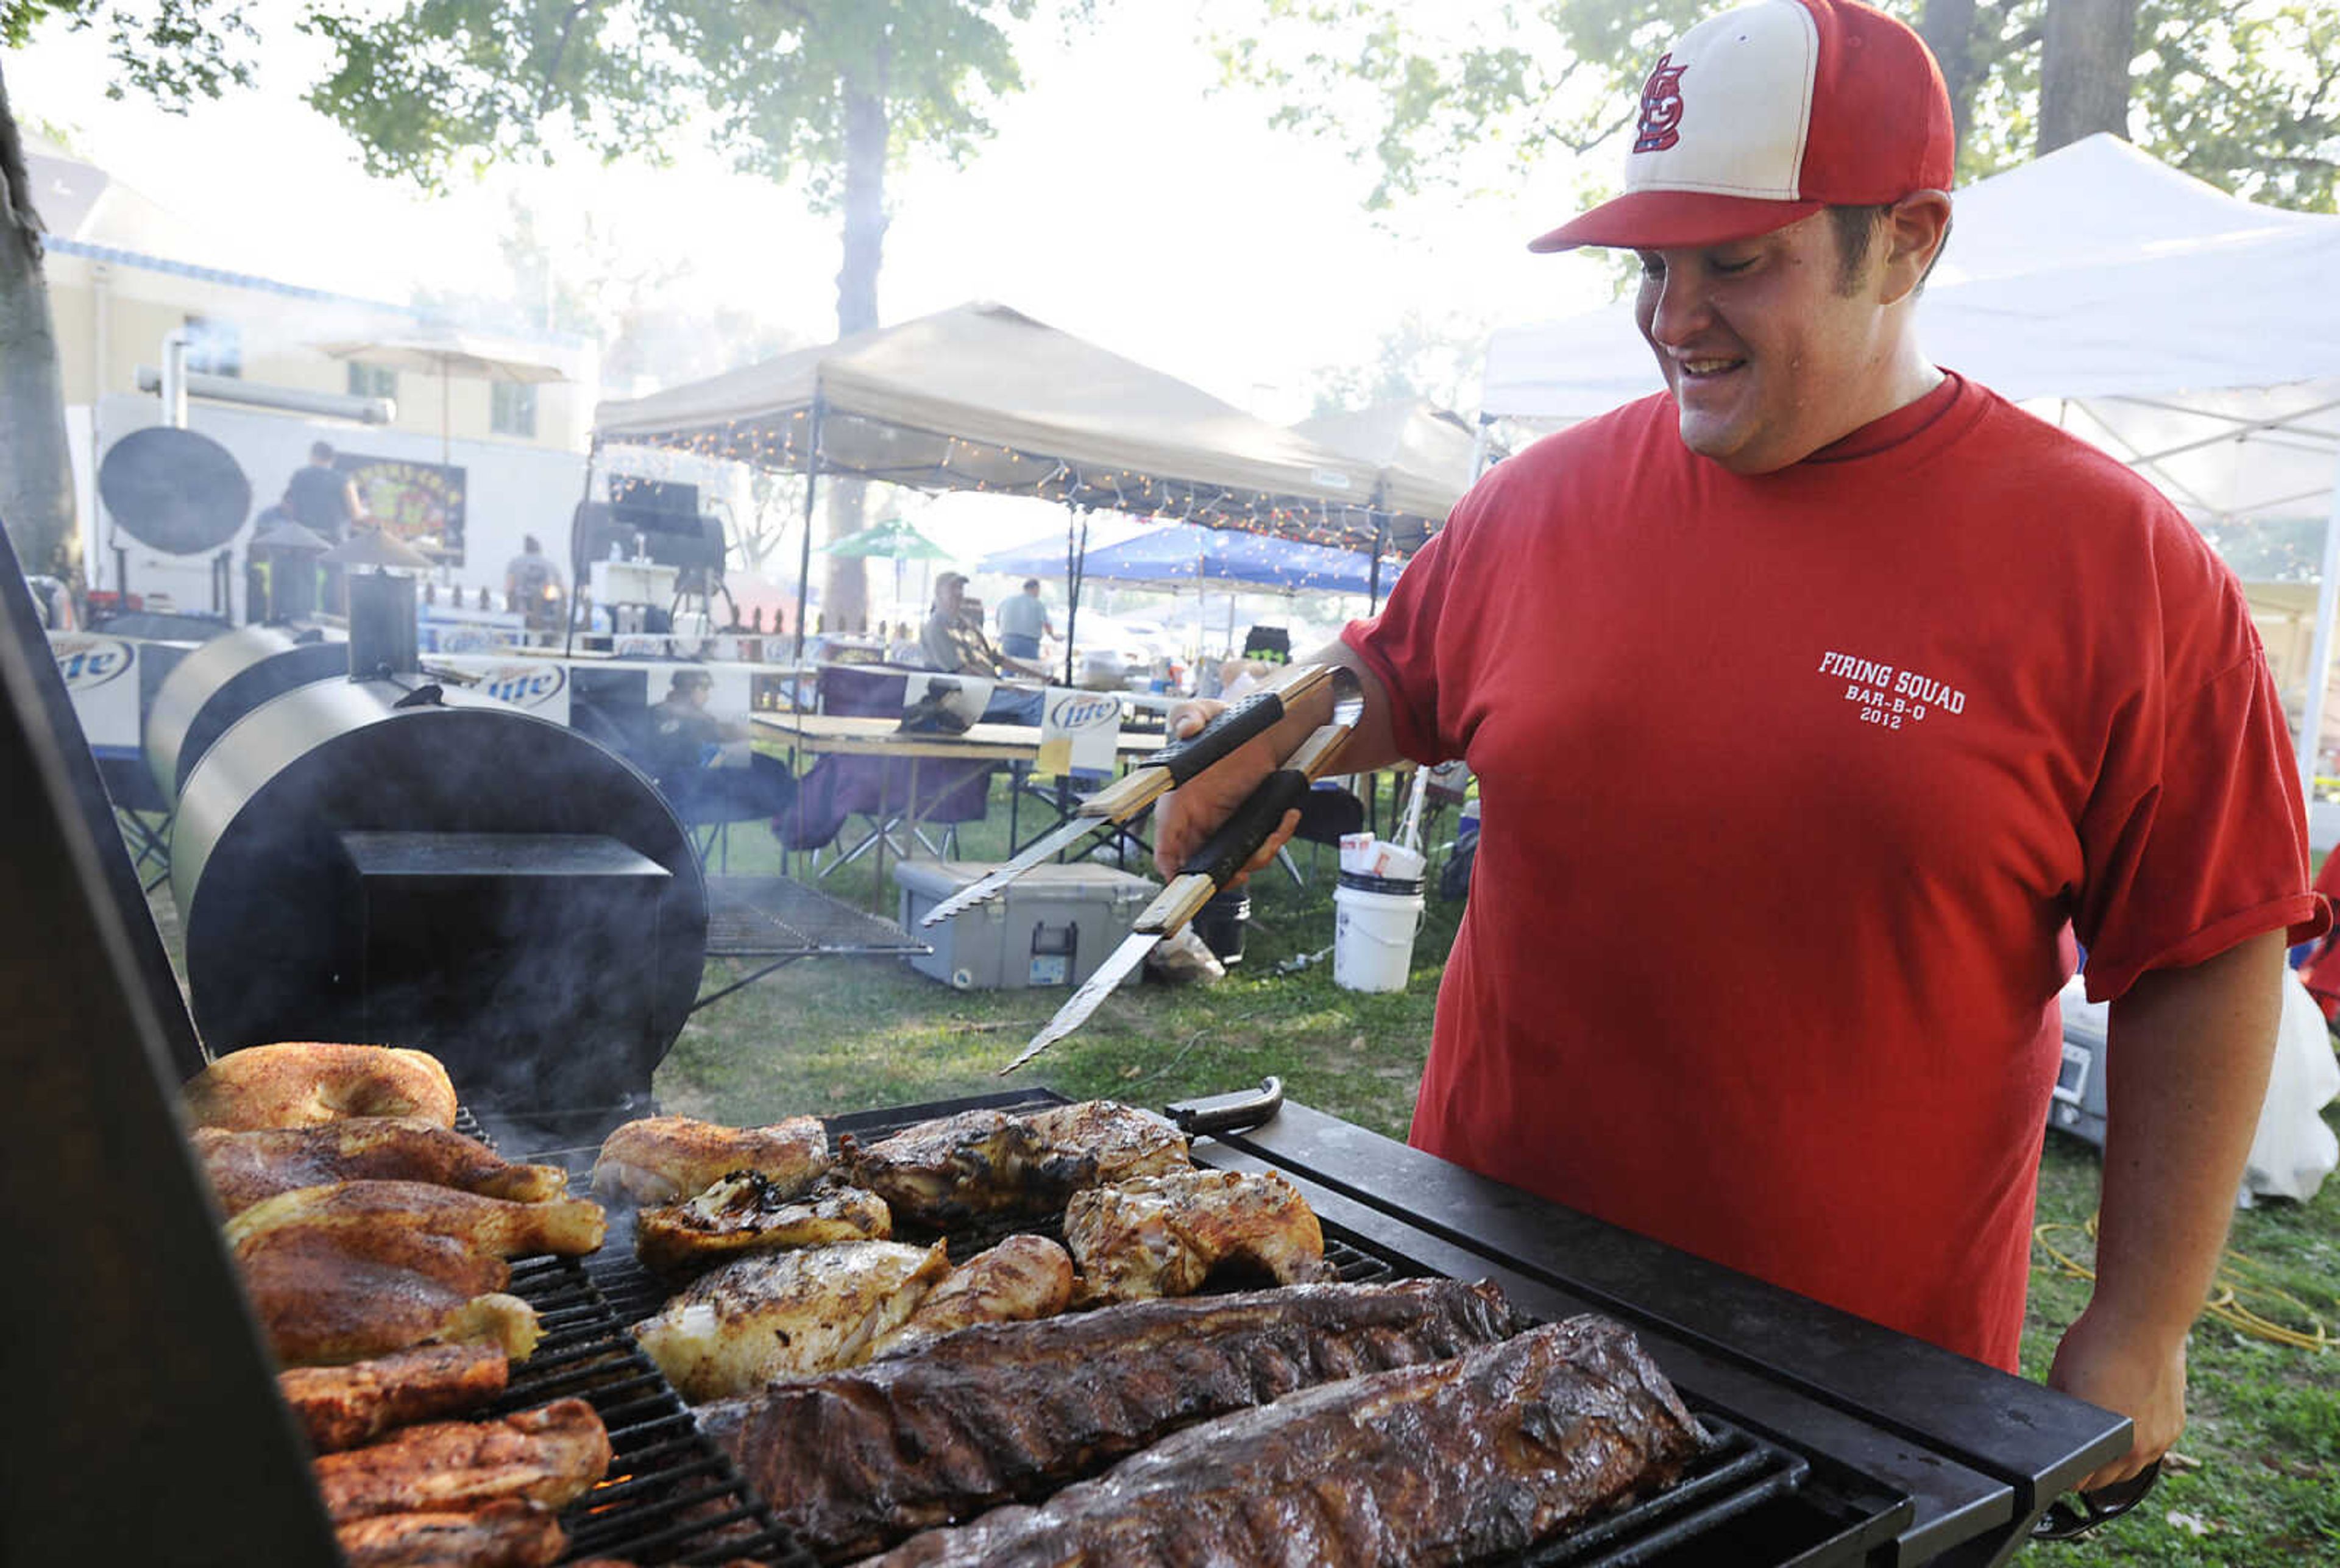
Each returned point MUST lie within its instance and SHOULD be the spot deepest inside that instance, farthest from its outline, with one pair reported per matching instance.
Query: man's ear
(1915, 228)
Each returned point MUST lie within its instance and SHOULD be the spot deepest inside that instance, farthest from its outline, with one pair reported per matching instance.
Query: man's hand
(1187, 816)
(2132, 1374)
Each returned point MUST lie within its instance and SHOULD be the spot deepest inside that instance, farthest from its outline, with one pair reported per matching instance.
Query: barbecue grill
(147, 1431)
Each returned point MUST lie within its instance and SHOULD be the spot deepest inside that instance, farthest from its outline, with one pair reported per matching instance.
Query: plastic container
(1052, 926)
(1220, 923)
(1375, 922)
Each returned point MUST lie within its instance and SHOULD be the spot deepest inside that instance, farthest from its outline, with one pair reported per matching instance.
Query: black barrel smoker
(380, 859)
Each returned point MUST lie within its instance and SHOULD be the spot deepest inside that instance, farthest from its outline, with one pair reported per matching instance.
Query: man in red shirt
(1977, 683)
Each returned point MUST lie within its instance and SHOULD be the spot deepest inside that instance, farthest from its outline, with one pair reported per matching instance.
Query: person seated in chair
(954, 642)
(687, 757)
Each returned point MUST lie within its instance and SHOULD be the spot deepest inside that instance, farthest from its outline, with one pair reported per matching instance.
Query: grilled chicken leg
(572, 1227)
(319, 1304)
(246, 1167)
(1022, 1278)
(513, 1533)
(551, 1455)
(340, 1407)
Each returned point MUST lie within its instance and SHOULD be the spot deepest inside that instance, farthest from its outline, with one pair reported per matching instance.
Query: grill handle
(1216, 1115)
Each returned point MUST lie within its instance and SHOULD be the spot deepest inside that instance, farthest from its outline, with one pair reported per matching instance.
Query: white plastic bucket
(1375, 922)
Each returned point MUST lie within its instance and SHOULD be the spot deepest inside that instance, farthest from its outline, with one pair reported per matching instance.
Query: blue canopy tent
(1187, 555)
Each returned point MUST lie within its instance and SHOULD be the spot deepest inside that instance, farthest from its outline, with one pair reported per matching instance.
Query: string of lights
(856, 446)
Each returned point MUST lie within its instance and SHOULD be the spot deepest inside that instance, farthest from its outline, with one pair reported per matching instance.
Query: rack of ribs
(1446, 1462)
(855, 1460)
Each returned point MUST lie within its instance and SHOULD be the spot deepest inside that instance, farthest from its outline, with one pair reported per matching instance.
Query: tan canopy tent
(1424, 457)
(982, 397)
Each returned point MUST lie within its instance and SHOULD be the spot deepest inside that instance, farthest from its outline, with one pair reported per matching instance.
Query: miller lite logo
(1085, 710)
(524, 685)
(1661, 106)
(86, 661)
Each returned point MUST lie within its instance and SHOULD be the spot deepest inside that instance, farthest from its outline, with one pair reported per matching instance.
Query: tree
(838, 90)
(2245, 96)
(36, 497)
(173, 51)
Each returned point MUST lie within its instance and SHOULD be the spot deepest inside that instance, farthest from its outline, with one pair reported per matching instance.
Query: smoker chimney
(382, 625)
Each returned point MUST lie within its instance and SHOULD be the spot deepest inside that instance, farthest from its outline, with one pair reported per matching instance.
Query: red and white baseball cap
(1768, 113)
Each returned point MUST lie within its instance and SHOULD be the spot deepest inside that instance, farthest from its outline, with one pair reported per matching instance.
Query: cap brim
(1660, 220)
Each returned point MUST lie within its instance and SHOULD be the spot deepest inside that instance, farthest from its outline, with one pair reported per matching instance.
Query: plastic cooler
(1052, 926)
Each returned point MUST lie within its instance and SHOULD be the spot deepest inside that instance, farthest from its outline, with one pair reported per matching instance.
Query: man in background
(325, 501)
(1023, 621)
(954, 642)
(534, 585)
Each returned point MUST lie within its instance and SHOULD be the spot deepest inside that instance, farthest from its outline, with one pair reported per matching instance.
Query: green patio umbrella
(889, 537)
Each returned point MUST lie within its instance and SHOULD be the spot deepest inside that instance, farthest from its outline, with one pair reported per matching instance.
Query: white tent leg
(2319, 653)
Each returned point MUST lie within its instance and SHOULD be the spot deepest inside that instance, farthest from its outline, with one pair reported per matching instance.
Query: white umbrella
(448, 354)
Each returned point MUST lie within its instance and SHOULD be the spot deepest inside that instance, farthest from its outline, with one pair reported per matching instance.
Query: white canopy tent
(2194, 335)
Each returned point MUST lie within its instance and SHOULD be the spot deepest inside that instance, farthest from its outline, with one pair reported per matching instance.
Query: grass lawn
(839, 1035)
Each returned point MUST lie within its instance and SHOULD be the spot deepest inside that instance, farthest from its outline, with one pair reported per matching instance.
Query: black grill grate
(668, 1514)
(671, 1496)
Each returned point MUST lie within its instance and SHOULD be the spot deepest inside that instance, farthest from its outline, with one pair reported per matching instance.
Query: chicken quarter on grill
(787, 1314)
(303, 1083)
(1163, 1235)
(748, 1212)
(1022, 1278)
(663, 1159)
(983, 1163)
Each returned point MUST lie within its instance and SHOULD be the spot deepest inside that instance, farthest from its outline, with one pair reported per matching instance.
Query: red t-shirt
(1788, 785)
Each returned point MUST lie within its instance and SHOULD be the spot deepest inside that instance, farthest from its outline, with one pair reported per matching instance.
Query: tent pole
(804, 552)
(1076, 550)
(576, 550)
(1373, 572)
(2319, 655)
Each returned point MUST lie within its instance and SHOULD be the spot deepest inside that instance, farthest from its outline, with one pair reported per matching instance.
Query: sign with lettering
(1079, 732)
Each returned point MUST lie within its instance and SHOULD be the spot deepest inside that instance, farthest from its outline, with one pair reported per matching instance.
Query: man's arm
(1184, 818)
(2187, 1053)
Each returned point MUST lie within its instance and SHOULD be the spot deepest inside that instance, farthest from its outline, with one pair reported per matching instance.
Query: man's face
(1767, 355)
(948, 596)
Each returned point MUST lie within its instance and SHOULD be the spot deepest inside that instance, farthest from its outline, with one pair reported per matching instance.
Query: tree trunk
(1947, 29)
(36, 494)
(845, 600)
(2084, 70)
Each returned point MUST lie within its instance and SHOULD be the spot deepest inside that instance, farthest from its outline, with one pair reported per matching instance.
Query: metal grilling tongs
(1160, 772)
(1213, 865)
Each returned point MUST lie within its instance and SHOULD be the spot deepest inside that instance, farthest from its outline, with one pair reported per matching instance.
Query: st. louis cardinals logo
(1662, 107)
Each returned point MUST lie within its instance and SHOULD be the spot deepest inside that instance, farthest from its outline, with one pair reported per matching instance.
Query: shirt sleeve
(2195, 837)
(1401, 644)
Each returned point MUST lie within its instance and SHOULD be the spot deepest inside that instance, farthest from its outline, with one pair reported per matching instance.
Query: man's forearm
(2188, 1054)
